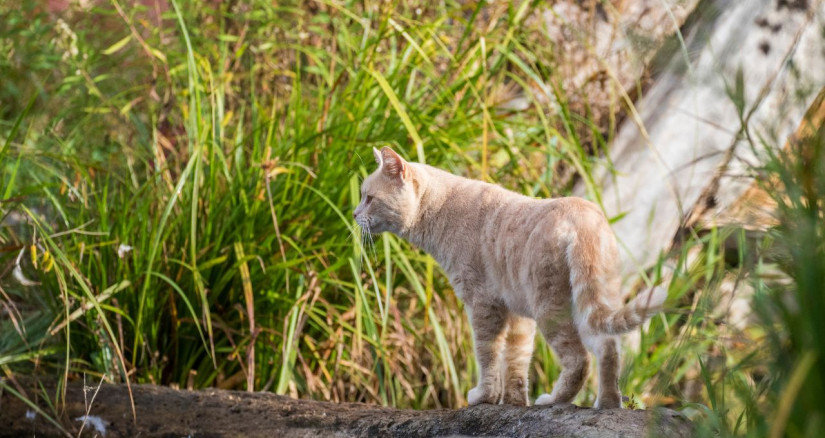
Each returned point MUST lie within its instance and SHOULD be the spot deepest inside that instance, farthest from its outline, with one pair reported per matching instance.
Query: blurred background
(177, 180)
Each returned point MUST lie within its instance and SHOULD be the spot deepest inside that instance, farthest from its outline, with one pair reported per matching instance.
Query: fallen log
(161, 411)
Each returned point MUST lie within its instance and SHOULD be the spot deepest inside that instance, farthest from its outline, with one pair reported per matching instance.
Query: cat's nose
(354, 215)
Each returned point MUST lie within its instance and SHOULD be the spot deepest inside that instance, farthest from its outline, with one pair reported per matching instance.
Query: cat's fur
(518, 263)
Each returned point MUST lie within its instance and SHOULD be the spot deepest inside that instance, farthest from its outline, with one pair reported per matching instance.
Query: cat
(517, 263)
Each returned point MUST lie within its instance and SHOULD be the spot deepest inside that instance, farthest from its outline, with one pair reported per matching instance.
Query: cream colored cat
(517, 262)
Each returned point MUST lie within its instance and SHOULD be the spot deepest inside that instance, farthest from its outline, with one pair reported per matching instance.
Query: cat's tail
(592, 258)
(603, 319)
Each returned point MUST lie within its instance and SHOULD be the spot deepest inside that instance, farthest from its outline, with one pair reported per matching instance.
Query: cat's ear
(393, 165)
(377, 154)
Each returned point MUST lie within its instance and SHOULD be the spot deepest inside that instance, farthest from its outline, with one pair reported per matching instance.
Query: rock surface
(164, 411)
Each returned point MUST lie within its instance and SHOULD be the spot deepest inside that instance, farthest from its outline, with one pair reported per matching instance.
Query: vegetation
(176, 190)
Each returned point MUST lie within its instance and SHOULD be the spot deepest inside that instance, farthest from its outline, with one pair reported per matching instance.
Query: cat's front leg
(489, 322)
(521, 334)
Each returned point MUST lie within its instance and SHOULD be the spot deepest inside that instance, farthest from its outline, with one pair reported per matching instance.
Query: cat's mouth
(364, 223)
(368, 232)
(369, 226)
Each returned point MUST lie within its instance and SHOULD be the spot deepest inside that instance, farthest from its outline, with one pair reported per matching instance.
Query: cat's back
(572, 217)
(573, 211)
(574, 208)
(547, 226)
(500, 208)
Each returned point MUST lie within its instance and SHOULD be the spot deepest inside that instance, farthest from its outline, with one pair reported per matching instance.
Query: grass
(180, 190)
(218, 210)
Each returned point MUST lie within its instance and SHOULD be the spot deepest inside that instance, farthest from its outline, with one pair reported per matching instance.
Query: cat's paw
(477, 396)
(516, 400)
(608, 403)
(515, 397)
(515, 392)
(545, 399)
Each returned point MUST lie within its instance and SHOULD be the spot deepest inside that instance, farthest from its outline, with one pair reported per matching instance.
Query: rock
(162, 411)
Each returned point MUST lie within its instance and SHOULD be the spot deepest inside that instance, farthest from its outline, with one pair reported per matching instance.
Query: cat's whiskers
(366, 241)
(362, 241)
(365, 235)
(371, 242)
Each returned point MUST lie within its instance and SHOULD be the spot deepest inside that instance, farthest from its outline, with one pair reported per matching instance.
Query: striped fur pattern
(520, 265)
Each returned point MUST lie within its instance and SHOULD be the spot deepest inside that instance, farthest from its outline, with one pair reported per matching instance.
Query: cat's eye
(369, 199)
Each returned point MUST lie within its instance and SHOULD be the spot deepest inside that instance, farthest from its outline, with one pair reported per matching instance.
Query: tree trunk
(684, 158)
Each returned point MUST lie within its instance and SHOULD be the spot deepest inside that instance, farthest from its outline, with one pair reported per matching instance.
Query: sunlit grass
(216, 245)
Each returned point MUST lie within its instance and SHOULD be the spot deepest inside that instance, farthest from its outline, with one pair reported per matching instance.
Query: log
(163, 411)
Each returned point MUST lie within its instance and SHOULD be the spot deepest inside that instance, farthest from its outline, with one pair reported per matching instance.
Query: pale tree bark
(683, 157)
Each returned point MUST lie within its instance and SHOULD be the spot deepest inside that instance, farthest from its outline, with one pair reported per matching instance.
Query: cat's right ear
(377, 154)
(393, 166)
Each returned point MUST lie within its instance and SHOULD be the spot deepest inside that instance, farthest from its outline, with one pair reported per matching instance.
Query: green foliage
(181, 189)
(799, 346)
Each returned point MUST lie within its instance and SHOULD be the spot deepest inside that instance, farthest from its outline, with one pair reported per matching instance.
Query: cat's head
(389, 196)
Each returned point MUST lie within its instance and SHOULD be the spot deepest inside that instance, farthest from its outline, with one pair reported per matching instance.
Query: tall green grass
(185, 192)
(181, 192)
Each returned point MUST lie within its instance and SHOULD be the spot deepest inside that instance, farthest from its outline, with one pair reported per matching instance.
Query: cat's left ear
(393, 165)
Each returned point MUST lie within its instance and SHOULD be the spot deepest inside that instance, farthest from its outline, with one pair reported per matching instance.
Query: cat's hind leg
(606, 349)
(521, 334)
(566, 342)
(489, 323)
